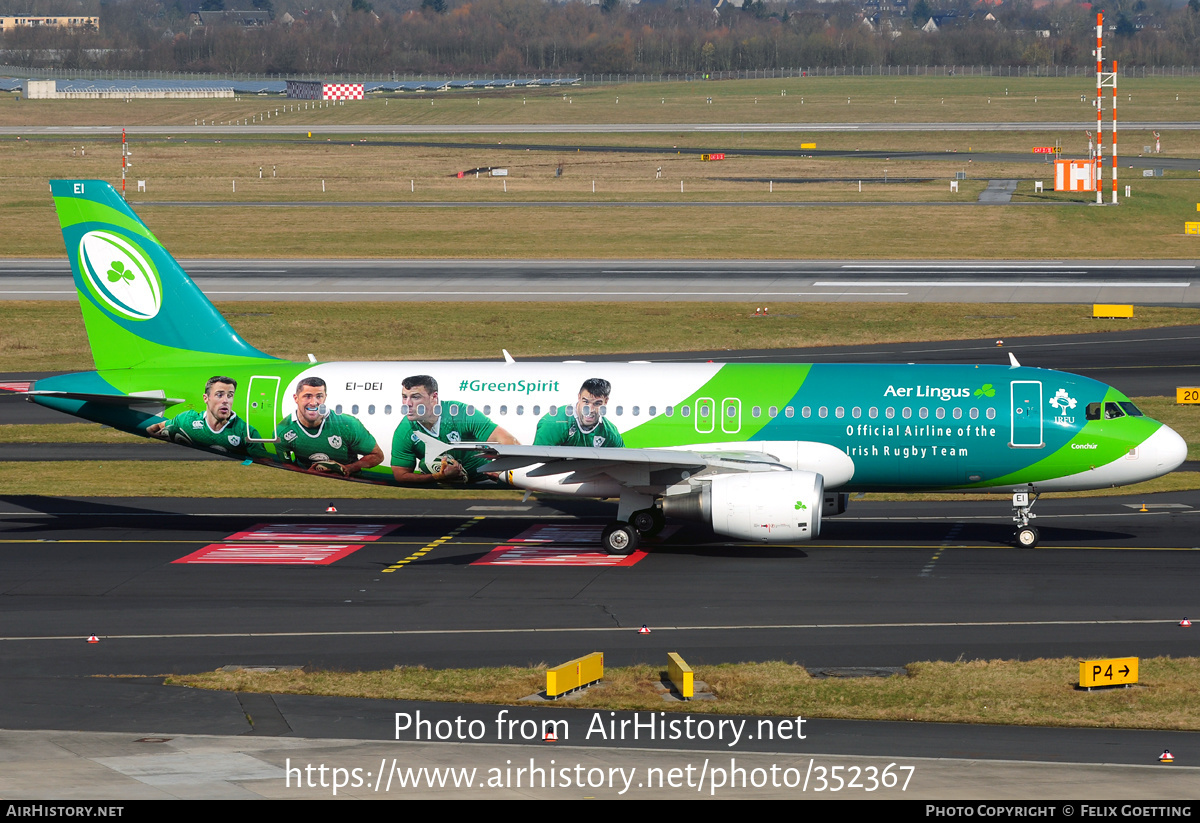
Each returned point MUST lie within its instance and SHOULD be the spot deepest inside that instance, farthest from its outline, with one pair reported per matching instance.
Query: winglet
(1012, 358)
(508, 358)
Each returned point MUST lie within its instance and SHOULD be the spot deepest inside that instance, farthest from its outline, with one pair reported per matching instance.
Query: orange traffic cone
(330, 509)
(643, 629)
(1166, 757)
(550, 737)
(1185, 623)
(93, 639)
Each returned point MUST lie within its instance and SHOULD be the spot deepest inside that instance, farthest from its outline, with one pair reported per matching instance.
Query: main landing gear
(1027, 535)
(625, 534)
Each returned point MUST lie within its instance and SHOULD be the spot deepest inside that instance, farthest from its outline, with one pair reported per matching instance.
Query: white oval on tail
(120, 275)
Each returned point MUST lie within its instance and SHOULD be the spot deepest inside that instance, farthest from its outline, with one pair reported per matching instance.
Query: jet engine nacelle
(767, 507)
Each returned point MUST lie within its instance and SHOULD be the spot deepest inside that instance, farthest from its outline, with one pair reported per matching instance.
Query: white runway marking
(614, 629)
(997, 284)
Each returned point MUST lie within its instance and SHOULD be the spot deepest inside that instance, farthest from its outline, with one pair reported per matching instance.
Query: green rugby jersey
(561, 430)
(191, 428)
(407, 448)
(341, 438)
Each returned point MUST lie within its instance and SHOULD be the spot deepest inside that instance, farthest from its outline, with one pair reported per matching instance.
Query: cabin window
(941, 413)
(789, 412)
(731, 411)
(839, 412)
(470, 410)
(889, 413)
(653, 411)
(873, 412)
(991, 414)
(1130, 409)
(686, 411)
(823, 412)
(520, 409)
(702, 409)
(856, 412)
(454, 410)
(773, 411)
(487, 408)
(974, 414)
(805, 412)
(604, 411)
(553, 411)
(957, 414)
(338, 408)
(906, 413)
(537, 410)
(756, 411)
(504, 409)
(1112, 411)
(669, 411)
(371, 409)
(570, 411)
(387, 409)
(923, 413)
(635, 411)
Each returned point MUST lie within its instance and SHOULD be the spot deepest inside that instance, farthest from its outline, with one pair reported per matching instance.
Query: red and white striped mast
(1099, 159)
(1114, 131)
(123, 155)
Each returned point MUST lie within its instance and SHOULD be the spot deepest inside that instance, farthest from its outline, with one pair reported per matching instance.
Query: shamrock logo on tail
(119, 272)
(800, 505)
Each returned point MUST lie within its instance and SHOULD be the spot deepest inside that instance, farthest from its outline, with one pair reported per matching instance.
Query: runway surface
(887, 583)
(1163, 282)
(456, 583)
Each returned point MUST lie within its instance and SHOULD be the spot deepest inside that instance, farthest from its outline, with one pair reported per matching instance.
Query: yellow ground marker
(433, 545)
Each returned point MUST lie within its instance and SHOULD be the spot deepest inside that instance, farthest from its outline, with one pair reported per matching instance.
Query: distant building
(8, 23)
(249, 19)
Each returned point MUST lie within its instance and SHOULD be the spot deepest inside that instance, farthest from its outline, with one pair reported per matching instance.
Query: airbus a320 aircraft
(757, 452)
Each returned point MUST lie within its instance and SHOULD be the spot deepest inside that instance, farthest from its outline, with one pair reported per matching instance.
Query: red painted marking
(18, 387)
(295, 554)
(560, 533)
(315, 531)
(560, 544)
(551, 556)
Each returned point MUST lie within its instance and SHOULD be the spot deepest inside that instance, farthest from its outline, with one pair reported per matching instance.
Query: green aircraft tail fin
(140, 308)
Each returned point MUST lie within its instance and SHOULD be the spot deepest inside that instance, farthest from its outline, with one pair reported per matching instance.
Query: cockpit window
(1093, 411)
(1130, 409)
(1112, 411)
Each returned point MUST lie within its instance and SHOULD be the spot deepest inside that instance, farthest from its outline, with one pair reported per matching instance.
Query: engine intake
(766, 507)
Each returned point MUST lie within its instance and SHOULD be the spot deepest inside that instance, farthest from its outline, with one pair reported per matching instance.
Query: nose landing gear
(1027, 536)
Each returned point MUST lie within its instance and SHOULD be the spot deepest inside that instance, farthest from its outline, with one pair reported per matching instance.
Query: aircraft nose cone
(1168, 449)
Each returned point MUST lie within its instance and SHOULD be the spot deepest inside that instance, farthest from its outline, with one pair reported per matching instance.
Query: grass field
(997, 692)
(375, 169)
(383, 331)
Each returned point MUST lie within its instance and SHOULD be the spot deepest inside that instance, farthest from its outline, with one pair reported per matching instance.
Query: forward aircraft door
(1026, 414)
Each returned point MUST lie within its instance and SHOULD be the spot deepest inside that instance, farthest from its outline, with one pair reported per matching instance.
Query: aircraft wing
(637, 468)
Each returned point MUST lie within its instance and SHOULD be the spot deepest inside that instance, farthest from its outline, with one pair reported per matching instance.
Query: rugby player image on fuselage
(217, 428)
(445, 420)
(587, 426)
(319, 440)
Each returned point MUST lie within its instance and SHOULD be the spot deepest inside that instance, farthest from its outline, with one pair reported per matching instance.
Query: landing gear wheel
(620, 539)
(1027, 537)
(648, 522)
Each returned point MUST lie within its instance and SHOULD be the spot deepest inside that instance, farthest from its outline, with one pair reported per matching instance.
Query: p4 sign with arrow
(1119, 671)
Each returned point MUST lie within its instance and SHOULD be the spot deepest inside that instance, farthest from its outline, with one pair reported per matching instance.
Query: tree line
(507, 37)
